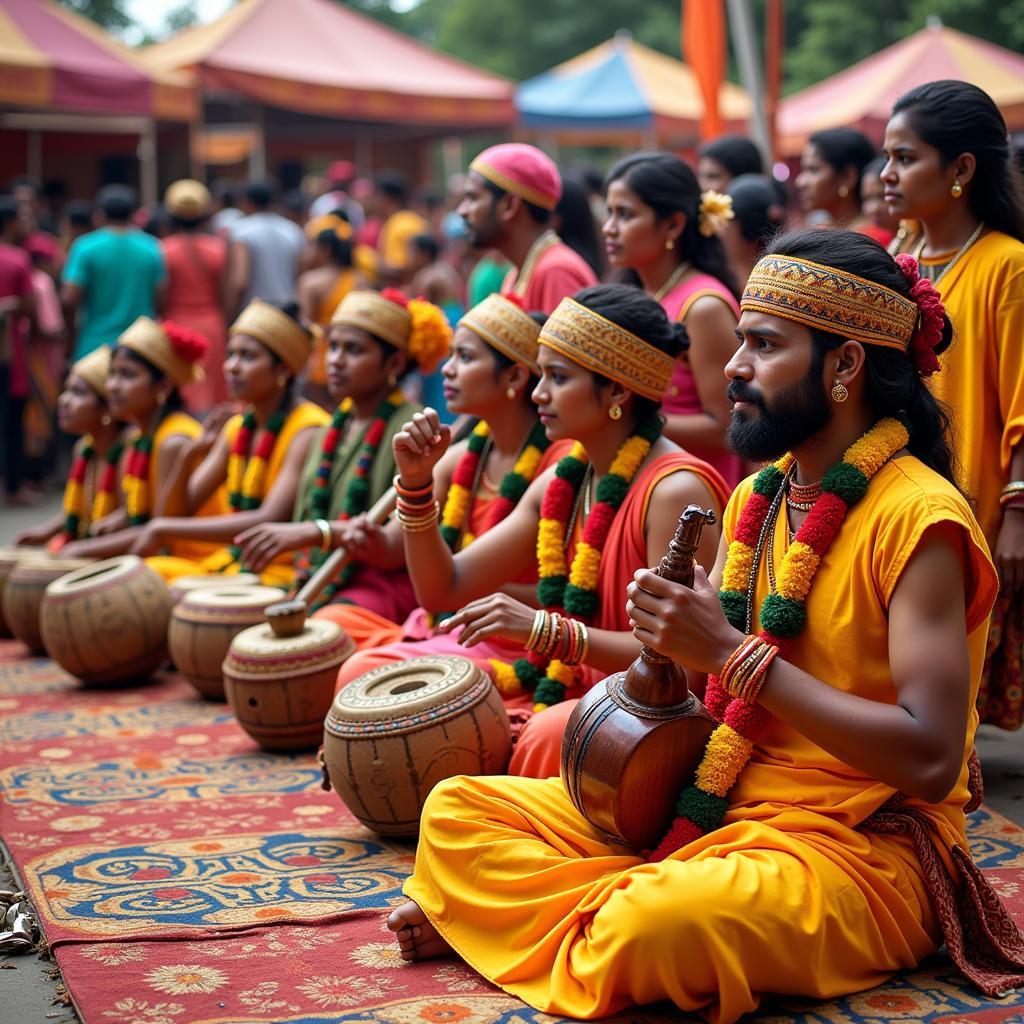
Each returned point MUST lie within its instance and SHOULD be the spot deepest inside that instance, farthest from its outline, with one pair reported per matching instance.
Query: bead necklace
(673, 279)
(941, 270)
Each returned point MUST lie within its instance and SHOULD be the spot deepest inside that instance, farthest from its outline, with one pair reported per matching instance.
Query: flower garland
(357, 495)
(573, 590)
(74, 501)
(246, 474)
(702, 804)
(454, 519)
(136, 480)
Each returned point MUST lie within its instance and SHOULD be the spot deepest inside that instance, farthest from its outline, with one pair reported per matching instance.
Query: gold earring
(844, 191)
(669, 244)
(839, 392)
(282, 382)
(510, 392)
(956, 190)
(105, 420)
(392, 380)
(161, 398)
(615, 412)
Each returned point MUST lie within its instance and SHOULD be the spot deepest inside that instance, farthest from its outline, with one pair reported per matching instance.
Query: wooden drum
(23, 594)
(9, 558)
(181, 586)
(107, 623)
(280, 688)
(203, 624)
(395, 731)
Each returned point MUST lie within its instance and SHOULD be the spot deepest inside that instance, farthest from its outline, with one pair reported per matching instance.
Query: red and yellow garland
(702, 805)
(137, 499)
(78, 518)
(247, 474)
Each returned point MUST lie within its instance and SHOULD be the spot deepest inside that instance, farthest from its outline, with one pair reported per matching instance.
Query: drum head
(96, 572)
(39, 566)
(231, 596)
(184, 584)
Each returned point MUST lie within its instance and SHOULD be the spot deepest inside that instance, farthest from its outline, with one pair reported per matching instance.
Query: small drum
(9, 558)
(203, 624)
(23, 594)
(107, 623)
(182, 585)
(395, 731)
(280, 688)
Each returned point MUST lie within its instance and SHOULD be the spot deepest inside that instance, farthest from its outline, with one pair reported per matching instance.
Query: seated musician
(820, 845)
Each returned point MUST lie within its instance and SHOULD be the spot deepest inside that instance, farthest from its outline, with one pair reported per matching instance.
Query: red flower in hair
(397, 297)
(516, 300)
(188, 345)
(931, 317)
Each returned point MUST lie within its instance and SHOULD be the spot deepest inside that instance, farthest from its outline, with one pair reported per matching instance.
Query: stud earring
(392, 380)
(106, 420)
(839, 392)
(844, 191)
(669, 244)
(615, 412)
(956, 190)
(510, 392)
(161, 398)
(282, 381)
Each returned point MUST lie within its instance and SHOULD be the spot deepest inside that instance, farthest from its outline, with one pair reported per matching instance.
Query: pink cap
(523, 170)
(341, 172)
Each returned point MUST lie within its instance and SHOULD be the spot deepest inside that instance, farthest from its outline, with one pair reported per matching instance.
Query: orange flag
(704, 50)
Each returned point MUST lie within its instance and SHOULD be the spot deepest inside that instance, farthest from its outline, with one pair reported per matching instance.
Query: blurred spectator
(433, 277)
(876, 222)
(593, 181)
(338, 180)
(831, 165)
(399, 225)
(429, 204)
(76, 219)
(725, 158)
(197, 284)
(295, 206)
(155, 221)
(759, 214)
(368, 233)
(574, 224)
(265, 251)
(487, 277)
(113, 275)
(225, 206)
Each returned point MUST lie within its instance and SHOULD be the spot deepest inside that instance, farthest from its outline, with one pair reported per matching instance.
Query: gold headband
(94, 369)
(830, 300)
(276, 330)
(599, 345)
(378, 316)
(149, 340)
(506, 327)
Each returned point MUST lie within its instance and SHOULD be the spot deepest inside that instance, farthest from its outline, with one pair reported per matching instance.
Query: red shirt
(16, 280)
(559, 272)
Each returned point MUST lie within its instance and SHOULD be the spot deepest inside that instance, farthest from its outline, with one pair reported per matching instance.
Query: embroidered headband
(276, 330)
(603, 347)
(151, 341)
(94, 369)
(506, 327)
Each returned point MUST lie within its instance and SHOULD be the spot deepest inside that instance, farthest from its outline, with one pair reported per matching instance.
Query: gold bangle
(326, 538)
(421, 522)
(1013, 487)
(538, 624)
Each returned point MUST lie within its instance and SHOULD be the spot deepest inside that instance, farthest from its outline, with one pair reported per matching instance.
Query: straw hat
(94, 369)
(188, 199)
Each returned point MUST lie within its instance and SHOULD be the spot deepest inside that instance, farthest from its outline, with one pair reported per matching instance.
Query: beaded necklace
(703, 803)
(80, 509)
(137, 499)
(246, 474)
(673, 279)
(573, 591)
(936, 272)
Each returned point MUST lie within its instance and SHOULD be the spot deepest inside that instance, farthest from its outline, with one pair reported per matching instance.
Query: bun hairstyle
(892, 384)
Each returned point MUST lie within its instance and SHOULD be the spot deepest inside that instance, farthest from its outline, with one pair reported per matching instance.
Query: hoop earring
(615, 412)
(956, 190)
(839, 392)
(510, 392)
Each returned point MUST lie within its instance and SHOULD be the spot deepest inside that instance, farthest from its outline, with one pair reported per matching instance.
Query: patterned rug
(182, 876)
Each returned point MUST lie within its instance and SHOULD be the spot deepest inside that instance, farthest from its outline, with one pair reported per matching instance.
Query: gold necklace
(673, 279)
(543, 242)
(957, 256)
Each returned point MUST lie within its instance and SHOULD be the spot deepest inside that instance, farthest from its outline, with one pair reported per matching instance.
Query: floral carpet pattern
(182, 876)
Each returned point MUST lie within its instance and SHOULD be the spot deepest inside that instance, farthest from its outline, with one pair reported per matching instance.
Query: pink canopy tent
(862, 96)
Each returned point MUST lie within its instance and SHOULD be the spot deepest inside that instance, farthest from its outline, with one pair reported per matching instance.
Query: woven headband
(277, 331)
(603, 347)
(506, 327)
(830, 300)
(371, 312)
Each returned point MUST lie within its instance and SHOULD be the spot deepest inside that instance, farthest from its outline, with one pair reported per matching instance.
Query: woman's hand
(685, 625)
(418, 447)
(110, 523)
(1009, 553)
(365, 540)
(497, 615)
(33, 536)
(263, 543)
(149, 539)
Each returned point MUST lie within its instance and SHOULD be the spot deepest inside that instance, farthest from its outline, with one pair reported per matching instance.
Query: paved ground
(29, 994)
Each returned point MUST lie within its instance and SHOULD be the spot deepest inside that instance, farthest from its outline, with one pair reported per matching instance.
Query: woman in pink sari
(662, 228)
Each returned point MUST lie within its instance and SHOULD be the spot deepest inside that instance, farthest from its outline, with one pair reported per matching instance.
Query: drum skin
(181, 586)
(397, 730)
(9, 558)
(280, 688)
(107, 622)
(23, 594)
(203, 624)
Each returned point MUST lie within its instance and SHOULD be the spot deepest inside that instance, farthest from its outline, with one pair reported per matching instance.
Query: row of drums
(388, 737)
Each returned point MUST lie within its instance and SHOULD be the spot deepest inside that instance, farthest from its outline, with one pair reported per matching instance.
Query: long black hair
(892, 385)
(667, 185)
(957, 118)
(845, 147)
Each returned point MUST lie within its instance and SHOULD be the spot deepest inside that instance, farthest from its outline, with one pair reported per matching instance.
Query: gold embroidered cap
(276, 330)
(830, 300)
(150, 340)
(506, 327)
(523, 170)
(94, 369)
(604, 347)
(377, 315)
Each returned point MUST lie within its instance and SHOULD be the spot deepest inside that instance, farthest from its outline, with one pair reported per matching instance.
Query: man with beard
(511, 192)
(820, 844)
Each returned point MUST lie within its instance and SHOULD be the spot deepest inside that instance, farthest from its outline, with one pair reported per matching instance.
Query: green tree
(110, 14)
(181, 17)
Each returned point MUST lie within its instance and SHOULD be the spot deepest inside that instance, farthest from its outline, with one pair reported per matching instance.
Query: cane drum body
(9, 558)
(280, 688)
(203, 624)
(181, 586)
(23, 594)
(107, 623)
(395, 731)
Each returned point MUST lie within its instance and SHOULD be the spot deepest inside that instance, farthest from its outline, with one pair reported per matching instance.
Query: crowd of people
(246, 383)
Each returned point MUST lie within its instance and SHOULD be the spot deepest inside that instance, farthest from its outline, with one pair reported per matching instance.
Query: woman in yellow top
(777, 876)
(93, 488)
(255, 457)
(950, 167)
(150, 363)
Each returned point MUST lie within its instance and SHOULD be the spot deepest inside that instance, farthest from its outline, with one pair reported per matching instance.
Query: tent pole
(147, 163)
(197, 167)
(745, 43)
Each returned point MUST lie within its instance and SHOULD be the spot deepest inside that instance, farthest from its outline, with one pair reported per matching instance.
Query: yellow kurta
(982, 376)
(788, 896)
(280, 572)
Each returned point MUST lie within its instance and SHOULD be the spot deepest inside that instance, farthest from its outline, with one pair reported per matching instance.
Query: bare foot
(417, 937)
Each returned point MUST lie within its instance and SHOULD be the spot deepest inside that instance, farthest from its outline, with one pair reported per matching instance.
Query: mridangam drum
(23, 594)
(395, 731)
(203, 624)
(280, 688)
(107, 623)
(9, 558)
(183, 585)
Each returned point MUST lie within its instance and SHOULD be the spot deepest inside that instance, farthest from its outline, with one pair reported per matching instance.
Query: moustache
(737, 391)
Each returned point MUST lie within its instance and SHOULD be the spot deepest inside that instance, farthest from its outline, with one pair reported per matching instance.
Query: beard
(483, 236)
(793, 417)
